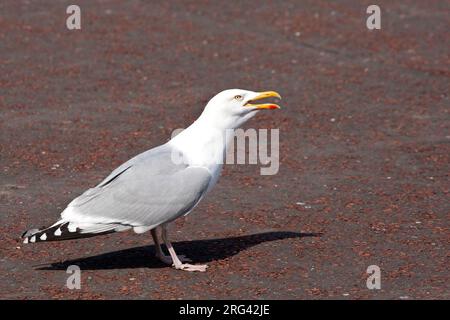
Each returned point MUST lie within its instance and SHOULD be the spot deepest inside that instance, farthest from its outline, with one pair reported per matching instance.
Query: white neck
(205, 141)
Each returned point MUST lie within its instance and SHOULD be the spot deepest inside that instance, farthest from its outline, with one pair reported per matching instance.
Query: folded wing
(144, 192)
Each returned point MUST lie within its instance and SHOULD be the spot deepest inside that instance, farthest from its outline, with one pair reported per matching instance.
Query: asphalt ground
(364, 145)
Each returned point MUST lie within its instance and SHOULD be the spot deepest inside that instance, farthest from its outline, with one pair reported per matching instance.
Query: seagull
(154, 188)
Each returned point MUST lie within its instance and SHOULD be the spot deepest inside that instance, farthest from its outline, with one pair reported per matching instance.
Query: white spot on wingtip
(25, 240)
(33, 239)
(72, 228)
(58, 232)
(43, 237)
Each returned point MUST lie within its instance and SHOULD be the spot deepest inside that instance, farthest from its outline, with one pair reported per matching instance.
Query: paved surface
(364, 137)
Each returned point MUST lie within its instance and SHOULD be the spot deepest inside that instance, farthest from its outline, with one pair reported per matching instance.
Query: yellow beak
(263, 95)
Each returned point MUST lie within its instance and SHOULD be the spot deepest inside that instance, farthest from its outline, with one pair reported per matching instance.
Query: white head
(231, 108)
(205, 141)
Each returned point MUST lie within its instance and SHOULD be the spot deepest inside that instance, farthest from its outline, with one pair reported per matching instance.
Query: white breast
(202, 147)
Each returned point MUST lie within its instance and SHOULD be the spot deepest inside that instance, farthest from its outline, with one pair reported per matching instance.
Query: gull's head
(231, 108)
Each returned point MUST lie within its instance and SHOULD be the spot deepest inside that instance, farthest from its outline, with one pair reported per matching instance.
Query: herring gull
(161, 184)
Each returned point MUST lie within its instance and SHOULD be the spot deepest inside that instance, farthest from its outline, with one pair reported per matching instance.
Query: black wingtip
(57, 232)
(29, 233)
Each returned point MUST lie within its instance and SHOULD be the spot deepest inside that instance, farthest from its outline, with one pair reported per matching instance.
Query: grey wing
(146, 192)
(155, 153)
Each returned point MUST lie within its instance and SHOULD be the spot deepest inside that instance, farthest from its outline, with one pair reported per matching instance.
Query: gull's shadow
(200, 251)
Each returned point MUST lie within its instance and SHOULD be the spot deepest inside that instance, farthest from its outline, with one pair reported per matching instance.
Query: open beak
(264, 95)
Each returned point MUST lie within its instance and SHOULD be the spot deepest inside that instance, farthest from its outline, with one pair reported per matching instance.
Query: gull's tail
(63, 230)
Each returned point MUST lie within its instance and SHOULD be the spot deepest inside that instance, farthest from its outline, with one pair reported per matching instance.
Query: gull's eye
(238, 97)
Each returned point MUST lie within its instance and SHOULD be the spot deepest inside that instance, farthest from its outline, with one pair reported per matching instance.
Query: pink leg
(160, 253)
(176, 261)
